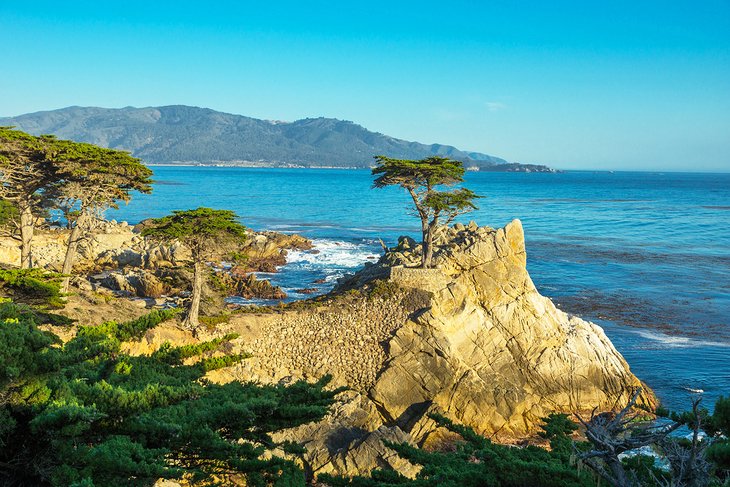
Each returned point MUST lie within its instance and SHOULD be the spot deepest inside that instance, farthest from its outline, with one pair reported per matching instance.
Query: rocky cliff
(471, 339)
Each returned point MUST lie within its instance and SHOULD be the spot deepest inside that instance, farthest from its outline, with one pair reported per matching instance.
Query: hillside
(183, 134)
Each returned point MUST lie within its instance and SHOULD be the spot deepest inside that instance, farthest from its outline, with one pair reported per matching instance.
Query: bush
(87, 414)
(475, 462)
(32, 286)
(384, 289)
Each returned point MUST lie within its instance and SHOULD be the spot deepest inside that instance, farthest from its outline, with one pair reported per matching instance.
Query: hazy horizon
(615, 86)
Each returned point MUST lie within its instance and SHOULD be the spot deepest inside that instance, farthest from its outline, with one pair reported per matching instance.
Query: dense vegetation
(84, 413)
(475, 461)
(32, 286)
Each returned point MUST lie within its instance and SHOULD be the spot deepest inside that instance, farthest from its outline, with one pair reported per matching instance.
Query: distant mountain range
(190, 135)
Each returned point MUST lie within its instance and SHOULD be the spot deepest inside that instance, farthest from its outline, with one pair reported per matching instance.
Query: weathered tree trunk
(71, 247)
(191, 320)
(427, 256)
(619, 473)
(27, 224)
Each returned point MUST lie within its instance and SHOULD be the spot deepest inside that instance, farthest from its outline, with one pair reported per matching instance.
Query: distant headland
(184, 135)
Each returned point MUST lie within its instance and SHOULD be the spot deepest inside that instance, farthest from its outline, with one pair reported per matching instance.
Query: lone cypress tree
(207, 233)
(421, 179)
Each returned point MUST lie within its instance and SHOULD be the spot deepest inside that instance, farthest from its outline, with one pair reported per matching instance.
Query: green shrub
(384, 289)
(86, 414)
(210, 322)
(32, 286)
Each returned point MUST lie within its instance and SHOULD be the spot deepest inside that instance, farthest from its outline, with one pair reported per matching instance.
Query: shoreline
(556, 171)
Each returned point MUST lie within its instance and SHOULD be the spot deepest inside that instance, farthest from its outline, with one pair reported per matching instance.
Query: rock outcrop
(471, 339)
(117, 257)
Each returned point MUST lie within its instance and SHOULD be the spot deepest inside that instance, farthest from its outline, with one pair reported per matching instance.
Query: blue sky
(577, 85)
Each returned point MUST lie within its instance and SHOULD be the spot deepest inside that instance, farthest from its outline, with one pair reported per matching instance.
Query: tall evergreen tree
(207, 233)
(92, 180)
(421, 179)
(27, 181)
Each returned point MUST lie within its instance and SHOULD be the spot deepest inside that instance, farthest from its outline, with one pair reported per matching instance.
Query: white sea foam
(677, 341)
(333, 254)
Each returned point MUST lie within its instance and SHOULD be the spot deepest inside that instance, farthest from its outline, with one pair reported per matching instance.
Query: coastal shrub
(646, 470)
(719, 452)
(238, 257)
(32, 286)
(477, 462)
(384, 289)
(11, 310)
(210, 322)
(721, 416)
(85, 414)
(558, 428)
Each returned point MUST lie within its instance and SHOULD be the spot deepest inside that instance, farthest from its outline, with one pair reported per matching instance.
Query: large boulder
(490, 351)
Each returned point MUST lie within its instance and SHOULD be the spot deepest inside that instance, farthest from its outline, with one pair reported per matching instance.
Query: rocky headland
(471, 339)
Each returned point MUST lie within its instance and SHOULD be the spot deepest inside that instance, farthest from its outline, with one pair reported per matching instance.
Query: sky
(639, 85)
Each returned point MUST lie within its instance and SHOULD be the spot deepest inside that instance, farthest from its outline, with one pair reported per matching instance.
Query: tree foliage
(84, 413)
(421, 178)
(81, 179)
(96, 177)
(92, 180)
(197, 229)
(28, 181)
(207, 233)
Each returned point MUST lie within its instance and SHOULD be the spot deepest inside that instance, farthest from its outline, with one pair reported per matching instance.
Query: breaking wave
(334, 255)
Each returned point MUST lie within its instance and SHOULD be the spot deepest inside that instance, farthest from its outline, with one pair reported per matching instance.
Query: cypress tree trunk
(619, 474)
(191, 320)
(427, 247)
(424, 242)
(27, 224)
(68, 261)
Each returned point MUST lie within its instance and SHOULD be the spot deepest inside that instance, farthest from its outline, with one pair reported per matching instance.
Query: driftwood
(612, 434)
(689, 466)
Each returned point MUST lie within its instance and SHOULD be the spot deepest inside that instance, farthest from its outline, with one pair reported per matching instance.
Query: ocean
(644, 255)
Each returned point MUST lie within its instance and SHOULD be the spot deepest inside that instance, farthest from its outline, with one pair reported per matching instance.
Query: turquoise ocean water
(645, 255)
